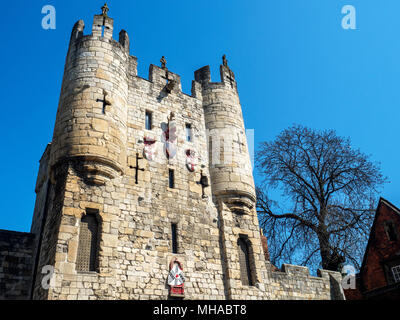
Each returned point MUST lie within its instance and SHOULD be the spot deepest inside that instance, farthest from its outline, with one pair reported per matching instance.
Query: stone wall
(16, 262)
(296, 283)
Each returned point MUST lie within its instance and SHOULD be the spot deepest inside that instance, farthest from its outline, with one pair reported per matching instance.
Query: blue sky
(293, 61)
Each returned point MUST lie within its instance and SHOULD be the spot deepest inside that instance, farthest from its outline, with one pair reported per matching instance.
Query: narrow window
(174, 238)
(210, 150)
(171, 176)
(149, 120)
(396, 273)
(390, 231)
(244, 261)
(88, 243)
(189, 136)
(222, 151)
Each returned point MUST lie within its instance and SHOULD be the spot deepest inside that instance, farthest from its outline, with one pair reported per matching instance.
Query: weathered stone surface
(16, 263)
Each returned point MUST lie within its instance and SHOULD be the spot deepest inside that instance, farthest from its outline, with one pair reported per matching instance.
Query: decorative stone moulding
(239, 202)
(97, 170)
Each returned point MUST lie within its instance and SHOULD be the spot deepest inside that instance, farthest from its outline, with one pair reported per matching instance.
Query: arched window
(244, 261)
(88, 243)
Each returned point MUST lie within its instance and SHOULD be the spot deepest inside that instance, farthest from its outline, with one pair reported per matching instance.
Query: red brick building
(379, 276)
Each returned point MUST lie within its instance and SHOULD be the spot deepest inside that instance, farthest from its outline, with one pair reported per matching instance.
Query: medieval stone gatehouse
(141, 177)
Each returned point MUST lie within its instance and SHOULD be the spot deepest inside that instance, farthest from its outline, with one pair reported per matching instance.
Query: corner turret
(230, 167)
(92, 113)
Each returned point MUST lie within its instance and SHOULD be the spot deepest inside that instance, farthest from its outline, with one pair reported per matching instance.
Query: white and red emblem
(149, 148)
(191, 160)
(170, 140)
(176, 279)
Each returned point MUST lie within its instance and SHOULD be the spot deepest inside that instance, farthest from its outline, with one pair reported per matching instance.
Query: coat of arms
(191, 160)
(176, 279)
(169, 138)
(149, 148)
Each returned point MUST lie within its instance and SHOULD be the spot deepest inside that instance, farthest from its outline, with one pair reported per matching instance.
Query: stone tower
(140, 174)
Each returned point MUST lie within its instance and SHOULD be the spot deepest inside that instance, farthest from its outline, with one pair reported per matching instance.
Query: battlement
(103, 26)
(102, 29)
(103, 34)
(163, 77)
(295, 282)
(294, 270)
(203, 76)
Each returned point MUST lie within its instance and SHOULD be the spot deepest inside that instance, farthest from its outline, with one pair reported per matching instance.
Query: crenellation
(77, 31)
(124, 40)
(102, 26)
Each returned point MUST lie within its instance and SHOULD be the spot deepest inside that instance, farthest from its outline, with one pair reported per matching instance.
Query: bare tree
(329, 190)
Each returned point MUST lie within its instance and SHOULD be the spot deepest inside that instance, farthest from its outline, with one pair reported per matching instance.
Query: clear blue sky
(293, 61)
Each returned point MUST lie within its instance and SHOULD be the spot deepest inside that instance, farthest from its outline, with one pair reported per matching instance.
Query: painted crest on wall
(191, 160)
(170, 140)
(149, 148)
(176, 279)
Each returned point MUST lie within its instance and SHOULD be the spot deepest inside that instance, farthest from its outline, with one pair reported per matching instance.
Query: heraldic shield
(169, 138)
(191, 161)
(149, 151)
(176, 279)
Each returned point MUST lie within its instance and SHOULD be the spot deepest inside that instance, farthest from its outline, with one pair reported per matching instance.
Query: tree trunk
(323, 238)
